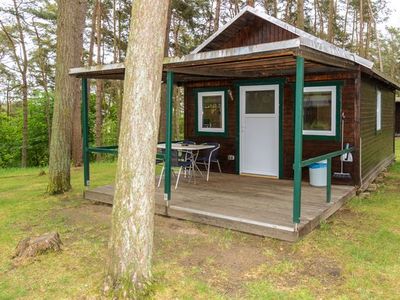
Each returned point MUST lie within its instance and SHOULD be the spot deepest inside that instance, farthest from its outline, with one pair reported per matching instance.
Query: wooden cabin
(276, 99)
(397, 126)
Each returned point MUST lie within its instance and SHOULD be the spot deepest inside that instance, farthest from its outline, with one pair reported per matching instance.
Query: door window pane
(212, 111)
(318, 110)
(260, 102)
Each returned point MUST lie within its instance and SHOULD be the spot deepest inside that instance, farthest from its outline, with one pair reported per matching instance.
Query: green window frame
(334, 133)
(199, 95)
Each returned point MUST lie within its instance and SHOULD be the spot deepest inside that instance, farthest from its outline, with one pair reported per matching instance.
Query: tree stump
(34, 246)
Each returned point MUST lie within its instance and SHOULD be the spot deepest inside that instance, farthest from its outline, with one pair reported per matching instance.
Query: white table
(193, 149)
(186, 147)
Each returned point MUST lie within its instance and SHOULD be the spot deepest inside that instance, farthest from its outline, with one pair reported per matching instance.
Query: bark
(217, 15)
(161, 131)
(345, 21)
(331, 20)
(77, 146)
(300, 14)
(34, 246)
(99, 83)
(69, 37)
(378, 43)
(250, 3)
(131, 243)
(361, 33)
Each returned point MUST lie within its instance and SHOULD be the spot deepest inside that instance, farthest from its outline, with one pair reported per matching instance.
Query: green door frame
(298, 139)
(266, 81)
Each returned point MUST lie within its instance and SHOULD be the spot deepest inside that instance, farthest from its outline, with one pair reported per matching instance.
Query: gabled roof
(305, 38)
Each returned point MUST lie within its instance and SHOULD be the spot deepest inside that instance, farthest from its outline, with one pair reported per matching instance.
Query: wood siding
(377, 147)
(397, 118)
(246, 32)
(311, 148)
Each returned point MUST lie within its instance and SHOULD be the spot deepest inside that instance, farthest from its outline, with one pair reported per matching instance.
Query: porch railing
(328, 157)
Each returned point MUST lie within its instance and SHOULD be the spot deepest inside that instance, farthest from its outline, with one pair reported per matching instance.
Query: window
(260, 102)
(320, 104)
(378, 110)
(211, 111)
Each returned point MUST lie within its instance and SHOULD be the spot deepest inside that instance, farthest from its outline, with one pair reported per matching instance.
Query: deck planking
(254, 205)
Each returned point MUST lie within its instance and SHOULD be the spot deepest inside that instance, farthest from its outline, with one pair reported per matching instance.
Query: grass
(353, 255)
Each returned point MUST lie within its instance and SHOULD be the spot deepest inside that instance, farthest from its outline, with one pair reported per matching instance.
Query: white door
(259, 130)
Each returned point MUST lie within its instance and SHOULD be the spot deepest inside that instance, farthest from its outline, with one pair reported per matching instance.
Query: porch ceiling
(262, 60)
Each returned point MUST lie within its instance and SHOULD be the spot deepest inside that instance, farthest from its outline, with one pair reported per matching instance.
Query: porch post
(85, 132)
(298, 139)
(168, 136)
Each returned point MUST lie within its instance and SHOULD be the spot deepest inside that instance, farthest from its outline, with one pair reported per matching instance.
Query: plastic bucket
(318, 173)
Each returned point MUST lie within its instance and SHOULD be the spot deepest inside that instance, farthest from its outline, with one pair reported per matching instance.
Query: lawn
(354, 255)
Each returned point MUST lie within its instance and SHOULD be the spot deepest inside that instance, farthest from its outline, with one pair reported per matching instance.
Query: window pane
(212, 112)
(260, 102)
(317, 111)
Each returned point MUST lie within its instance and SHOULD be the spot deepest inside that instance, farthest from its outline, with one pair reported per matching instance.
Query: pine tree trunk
(217, 15)
(69, 35)
(131, 243)
(77, 147)
(331, 21)
(300, 14)
(161, 131)
(99, 83)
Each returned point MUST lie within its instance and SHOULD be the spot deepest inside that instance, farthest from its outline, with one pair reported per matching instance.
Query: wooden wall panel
(311, 148)
(376, 146)
(251, 32)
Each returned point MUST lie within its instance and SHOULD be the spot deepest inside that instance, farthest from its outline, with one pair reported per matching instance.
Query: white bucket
(318, 173)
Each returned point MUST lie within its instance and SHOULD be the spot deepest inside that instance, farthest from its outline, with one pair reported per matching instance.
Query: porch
(255, 205)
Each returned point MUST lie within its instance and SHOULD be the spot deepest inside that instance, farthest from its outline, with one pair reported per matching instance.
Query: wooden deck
(249, 204)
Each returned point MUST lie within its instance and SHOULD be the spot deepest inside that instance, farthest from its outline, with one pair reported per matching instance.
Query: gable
(248, 30)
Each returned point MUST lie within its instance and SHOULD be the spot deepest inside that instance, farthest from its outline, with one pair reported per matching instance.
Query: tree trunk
(250, 3)
(361, 33)
(131, 243)
(69, 37)
(77, 147)
(217, 15)
(23, 67)
(99, 83)
(300, 14)
(161, 131)
(331, 20)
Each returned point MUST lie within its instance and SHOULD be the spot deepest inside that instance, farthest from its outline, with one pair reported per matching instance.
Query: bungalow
(276, 99)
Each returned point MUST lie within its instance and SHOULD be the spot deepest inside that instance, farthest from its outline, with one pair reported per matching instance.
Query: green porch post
(329, 180)
(168, 136)
(298, 139)
(85, 132)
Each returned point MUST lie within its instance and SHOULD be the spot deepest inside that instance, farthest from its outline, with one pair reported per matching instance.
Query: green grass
(353, 255)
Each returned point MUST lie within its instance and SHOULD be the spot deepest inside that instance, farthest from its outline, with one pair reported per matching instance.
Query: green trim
(265, 81)
(329, 180)
(85, 132)
(337, 136)
(333, 154)
(168, 136)
(196, 97)
(298, 138)
(106, 149)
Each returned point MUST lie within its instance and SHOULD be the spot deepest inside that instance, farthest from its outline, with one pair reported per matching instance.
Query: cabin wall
(256, 31)
(311, 148)
(397, 118)
(377, 147)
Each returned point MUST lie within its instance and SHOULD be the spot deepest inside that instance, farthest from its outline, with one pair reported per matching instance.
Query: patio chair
(183, 164)
(210, 156)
